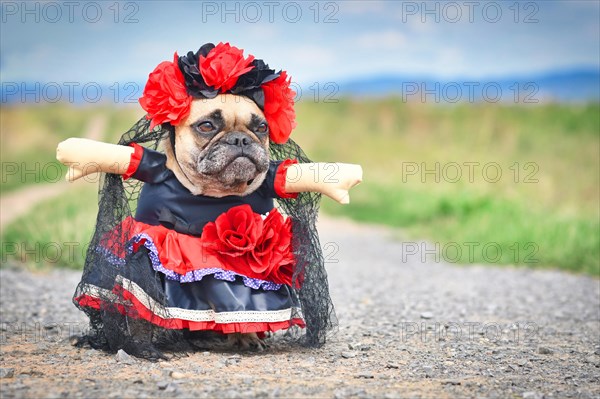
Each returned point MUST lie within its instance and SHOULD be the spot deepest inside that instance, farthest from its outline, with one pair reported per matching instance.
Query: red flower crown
(172, 86)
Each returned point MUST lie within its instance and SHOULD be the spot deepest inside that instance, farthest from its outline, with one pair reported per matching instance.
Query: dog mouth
(233, 168)
(241, 169)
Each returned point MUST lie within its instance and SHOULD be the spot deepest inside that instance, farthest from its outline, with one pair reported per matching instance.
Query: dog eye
(262, 128)
(205, 127)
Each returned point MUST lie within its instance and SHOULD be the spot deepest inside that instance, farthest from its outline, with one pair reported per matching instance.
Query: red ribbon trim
(134, 162)
(280, 178)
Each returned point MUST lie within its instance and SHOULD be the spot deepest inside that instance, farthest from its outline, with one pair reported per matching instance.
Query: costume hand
(337, 187)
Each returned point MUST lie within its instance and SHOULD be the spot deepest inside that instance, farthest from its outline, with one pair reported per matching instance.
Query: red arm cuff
(134, 163)
(279, 183)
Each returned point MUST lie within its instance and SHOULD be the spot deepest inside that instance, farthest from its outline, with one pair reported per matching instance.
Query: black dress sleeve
(152, 167)
(267, 188)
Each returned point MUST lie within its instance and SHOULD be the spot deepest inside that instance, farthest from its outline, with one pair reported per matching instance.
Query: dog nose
(238, 139)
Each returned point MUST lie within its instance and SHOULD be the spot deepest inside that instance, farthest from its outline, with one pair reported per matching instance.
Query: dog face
(221, 148)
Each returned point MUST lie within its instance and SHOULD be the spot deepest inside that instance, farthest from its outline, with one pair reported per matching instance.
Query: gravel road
(407, 328)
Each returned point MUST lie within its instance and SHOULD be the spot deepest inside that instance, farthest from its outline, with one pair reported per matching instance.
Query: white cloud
(262, 31)
(32, 65)
(388, 39)
(362, 7)
(305, 62)
(451, 56)
(416, 26)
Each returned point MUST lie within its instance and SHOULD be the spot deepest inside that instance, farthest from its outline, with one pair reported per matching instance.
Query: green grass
(55, 233)
(542, 212)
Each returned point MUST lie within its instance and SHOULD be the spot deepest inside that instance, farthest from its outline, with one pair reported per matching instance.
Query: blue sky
(81, 42)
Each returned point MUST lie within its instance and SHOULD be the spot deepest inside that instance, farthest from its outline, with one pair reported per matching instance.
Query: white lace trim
(249, 316)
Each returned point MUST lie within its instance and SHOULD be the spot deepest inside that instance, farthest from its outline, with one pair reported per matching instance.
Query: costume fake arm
(331, 179)
(84, 156)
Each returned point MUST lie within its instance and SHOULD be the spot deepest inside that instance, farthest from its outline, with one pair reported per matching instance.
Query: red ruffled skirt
(205, 288)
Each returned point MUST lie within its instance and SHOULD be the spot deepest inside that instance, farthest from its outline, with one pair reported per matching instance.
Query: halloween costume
(191, 262)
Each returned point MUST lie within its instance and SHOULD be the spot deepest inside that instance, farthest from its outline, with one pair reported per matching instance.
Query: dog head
(221, 148)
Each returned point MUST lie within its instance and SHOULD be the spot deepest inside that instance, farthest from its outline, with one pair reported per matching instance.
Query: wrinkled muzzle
(234, 158)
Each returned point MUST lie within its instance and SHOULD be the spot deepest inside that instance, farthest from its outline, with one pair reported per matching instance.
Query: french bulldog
(216, 144)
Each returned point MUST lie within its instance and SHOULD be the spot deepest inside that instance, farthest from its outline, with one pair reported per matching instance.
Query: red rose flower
(279, 108)
(248, 245)
(165, 97)
(273, 248)
(234, 233)
(223, 65)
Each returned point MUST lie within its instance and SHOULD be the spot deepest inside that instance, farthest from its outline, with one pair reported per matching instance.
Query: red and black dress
(220, 264)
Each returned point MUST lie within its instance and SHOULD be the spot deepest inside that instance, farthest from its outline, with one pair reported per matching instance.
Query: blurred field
(30, 135)
(542, 210)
